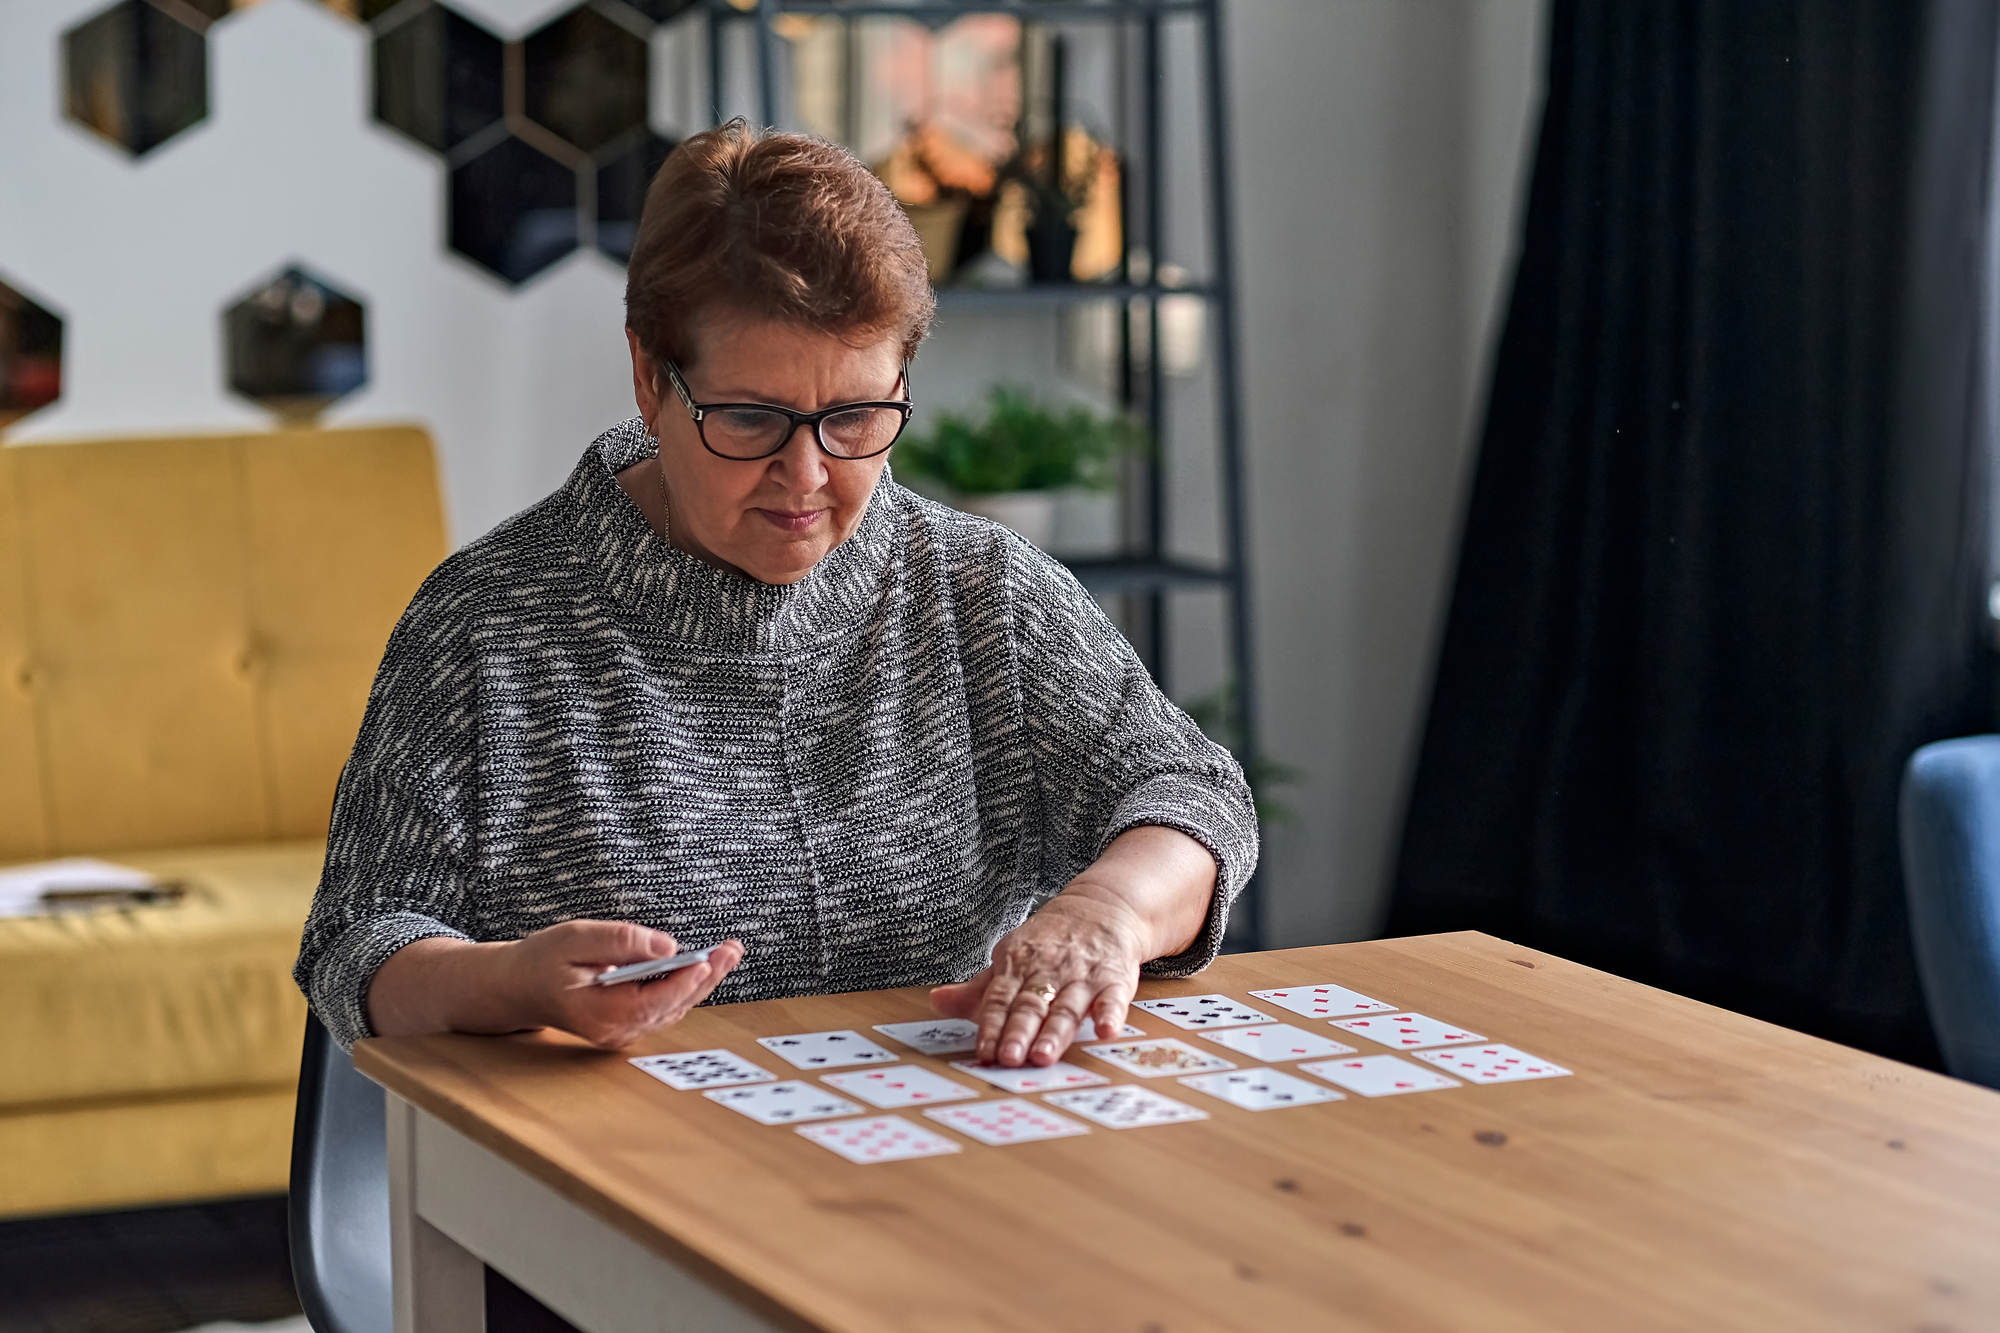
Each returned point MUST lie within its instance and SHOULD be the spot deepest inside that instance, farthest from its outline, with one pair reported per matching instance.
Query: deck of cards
(850, 1073)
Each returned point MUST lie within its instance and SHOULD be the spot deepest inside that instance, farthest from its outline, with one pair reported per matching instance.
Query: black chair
(340, 1193)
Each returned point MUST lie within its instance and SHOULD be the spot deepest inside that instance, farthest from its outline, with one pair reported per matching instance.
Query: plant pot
(1032, 514)
(938, 227)
(1051, 250)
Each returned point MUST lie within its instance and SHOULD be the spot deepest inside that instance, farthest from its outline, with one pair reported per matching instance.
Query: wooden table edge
(707, 1268)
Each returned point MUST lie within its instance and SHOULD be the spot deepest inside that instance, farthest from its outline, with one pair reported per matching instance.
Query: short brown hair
(779, 226)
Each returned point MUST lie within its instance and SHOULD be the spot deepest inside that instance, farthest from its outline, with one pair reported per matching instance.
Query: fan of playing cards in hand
(830, 1112)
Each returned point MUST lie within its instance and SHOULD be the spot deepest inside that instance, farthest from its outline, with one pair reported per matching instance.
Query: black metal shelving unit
(1147, 570)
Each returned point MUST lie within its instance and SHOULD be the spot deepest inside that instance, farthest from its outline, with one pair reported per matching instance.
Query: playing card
(1492, 1064)
(1323, 1001)
(952, 1036)
(886, 1138)
(783, 1103)
(1156, 1057)
(1204, 1011)
(1278, 1041)
(1261, 1089)
(829, 1050)
(1029, 1078)
(1012, 1120)
(702, 1069)
(1379, 1075)
(1405, 1031)
(905, 1085)
(1125, 1106)
(1087, 1031)
(934, 1036)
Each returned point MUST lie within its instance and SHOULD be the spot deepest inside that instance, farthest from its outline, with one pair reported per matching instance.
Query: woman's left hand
(1078, 957)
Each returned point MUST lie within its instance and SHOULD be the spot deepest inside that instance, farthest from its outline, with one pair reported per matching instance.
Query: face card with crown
(1406, 1032)
(1156, 1057)
(1325, 1000)
(886, 1138)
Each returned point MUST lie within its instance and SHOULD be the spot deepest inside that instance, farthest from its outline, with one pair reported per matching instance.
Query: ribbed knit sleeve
(397, 865)
(1113, 753)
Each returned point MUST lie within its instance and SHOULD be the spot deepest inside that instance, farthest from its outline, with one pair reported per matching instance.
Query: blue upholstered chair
(1951, 868)
(340, 1193)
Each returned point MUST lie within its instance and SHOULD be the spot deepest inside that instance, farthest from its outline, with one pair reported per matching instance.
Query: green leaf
(1022, 446)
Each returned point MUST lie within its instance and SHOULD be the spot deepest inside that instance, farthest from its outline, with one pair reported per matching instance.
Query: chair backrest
(1951, 871)
(188, 628)
(340, 1193)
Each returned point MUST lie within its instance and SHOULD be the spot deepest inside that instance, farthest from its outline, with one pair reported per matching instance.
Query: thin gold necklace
(666, 529)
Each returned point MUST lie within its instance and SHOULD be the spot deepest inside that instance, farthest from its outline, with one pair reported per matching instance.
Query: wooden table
(1701, 1170)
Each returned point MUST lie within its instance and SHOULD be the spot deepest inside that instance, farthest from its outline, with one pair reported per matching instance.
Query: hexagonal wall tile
(296, 343)
(137, 73)
(30, 355)
(586, 77)
(361, 11)
(513, 210)
(662, 11)
(438, 76)
(621, 191)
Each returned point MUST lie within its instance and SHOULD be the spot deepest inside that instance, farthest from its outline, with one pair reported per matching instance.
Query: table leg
(456, 1208)
(440, 1286)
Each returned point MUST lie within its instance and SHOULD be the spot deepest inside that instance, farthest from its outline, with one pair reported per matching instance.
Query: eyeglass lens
(748, 432)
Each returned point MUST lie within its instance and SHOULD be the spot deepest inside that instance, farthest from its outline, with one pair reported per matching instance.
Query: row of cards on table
(754, 1091)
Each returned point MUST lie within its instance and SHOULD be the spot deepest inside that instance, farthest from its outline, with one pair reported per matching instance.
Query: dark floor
(156, 1270)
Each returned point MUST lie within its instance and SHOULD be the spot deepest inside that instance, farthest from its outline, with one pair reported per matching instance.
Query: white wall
(1380, 152)
(141, 256)
(1379, 146)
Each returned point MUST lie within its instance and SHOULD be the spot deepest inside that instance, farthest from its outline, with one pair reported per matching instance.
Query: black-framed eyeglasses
(749, 431)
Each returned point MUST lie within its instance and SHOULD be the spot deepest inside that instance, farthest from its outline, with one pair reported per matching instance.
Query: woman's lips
(786, 520)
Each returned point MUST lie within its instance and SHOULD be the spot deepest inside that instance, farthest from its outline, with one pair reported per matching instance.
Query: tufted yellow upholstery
(188, 628)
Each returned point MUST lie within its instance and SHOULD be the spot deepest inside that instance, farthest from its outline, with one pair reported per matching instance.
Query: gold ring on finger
(1045, 992)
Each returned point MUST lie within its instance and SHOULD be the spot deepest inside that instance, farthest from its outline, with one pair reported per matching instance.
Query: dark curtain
(1723, 563)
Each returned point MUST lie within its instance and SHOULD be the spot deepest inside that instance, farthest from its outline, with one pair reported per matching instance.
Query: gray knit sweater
(869, 776)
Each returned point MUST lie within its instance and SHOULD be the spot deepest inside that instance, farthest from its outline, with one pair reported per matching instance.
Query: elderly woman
(733, 686)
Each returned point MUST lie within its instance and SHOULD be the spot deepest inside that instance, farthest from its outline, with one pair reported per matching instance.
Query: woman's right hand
(542, 980)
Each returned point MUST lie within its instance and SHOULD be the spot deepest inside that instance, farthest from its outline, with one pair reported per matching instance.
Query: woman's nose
(802, 459)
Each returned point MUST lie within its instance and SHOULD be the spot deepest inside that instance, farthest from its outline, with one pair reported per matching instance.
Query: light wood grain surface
(1700, 1170)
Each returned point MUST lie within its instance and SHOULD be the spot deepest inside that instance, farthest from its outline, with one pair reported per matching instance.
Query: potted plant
(940, 182)
(1010, 466)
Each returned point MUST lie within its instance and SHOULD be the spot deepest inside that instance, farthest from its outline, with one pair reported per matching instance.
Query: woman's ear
(645, 384)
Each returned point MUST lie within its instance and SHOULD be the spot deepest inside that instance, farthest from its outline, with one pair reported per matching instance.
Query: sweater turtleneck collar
(690, 601)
